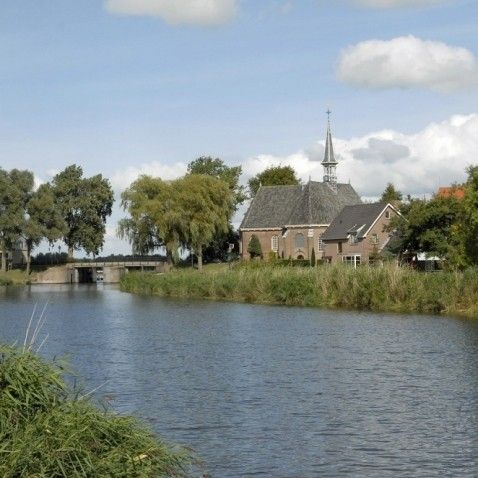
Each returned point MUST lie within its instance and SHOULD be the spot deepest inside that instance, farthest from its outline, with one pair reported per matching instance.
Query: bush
(254, 248)
(47, 431)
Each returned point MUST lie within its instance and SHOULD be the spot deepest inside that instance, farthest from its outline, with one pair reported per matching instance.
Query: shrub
(254, 248)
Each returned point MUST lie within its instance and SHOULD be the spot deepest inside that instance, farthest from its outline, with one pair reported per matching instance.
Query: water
(273, 391)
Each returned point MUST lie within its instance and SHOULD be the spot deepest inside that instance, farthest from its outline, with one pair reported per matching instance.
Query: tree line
(71, 208)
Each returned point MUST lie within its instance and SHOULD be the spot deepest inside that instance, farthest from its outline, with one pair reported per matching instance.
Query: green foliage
(84, 204)
(391, 195)
(388, 288)
(15, 189)
(215, 167)
(254, 248)
(47, 431)
(273, 176)
(187, 212)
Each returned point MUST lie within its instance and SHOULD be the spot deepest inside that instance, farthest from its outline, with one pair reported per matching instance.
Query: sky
(130, 87)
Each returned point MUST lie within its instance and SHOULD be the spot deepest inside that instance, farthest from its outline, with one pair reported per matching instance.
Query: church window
(374, 239)
(275, 243)
(320, 244)
(299, 240)
(339, 247)
(387, 214)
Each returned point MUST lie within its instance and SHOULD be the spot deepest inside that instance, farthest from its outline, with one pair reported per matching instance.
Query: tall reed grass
(388, 289)
(48, 431)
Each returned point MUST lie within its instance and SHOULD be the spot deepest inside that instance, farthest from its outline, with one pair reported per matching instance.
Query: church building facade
(289, 221)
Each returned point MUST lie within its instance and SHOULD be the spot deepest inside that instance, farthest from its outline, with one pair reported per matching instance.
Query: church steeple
(329, 163)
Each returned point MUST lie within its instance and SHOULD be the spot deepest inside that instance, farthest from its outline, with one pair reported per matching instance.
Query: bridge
(92, 272)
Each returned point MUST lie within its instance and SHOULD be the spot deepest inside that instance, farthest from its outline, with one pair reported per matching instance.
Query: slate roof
(313, 203)
(353, 219)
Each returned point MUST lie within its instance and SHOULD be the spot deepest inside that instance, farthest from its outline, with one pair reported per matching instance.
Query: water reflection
(274, 391)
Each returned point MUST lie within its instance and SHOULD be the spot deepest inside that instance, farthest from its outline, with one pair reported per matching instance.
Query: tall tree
(273, 176)
(207, 204)
(43, 220)
(216, 168)
(391, 195)
(85, 204)
(186, 212)
(15, 189)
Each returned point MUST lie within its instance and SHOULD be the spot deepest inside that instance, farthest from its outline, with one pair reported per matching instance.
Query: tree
(187, 212)
(85, 204)
(216, 168)
(391, 195)
(43, 220)
(254, 248)
(431, 227)
(273, 176)
(313, 261)
(15, 189)
(207, 204)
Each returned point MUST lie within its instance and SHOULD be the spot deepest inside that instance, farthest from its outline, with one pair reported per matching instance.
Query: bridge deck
(96, 265)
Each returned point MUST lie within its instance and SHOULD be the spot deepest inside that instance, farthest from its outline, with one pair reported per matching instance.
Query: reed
(387, 289)
(15, 277)
(46, 430)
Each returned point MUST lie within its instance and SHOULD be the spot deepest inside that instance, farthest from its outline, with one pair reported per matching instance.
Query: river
(272, 391)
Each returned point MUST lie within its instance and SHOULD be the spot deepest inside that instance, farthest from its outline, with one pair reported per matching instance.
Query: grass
(15, 277)
(386, 289)
(46, 430)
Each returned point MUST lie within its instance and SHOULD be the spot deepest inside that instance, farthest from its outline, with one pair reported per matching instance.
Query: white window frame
(352, 259)
(275, 243)
(320, 244)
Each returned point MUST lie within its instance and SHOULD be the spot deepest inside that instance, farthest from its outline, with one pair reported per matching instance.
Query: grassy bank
(15, 277)
(387, 289)
(47, 431)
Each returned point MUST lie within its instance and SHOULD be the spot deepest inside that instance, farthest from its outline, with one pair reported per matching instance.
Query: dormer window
(353, 238)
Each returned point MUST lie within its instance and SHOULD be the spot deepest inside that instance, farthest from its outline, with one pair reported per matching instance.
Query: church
(289, 221)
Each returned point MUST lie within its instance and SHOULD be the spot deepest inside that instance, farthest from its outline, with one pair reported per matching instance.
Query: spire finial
(328, 112)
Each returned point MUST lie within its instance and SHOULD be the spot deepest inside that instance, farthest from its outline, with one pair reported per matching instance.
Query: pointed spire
(329, 163)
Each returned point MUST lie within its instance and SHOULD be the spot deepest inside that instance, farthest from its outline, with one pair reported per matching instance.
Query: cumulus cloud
(121, 179)
(408, 62)
(397, 3)
(175, 12)
(417, 164)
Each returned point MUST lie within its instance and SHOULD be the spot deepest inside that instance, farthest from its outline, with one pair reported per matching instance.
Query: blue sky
(123, 87)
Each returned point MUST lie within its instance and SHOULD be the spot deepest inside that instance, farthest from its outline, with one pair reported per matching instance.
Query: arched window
(275, 243)
(299, 240)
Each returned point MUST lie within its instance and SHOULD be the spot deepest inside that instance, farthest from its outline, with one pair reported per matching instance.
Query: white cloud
(175, 12)
(408, 62)
(121, 179)
(397, 3)
(417, 164)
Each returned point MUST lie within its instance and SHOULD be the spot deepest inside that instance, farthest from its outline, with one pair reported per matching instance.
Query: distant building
(290, 220)
(457, 192)
(17, 256)
(358, 233)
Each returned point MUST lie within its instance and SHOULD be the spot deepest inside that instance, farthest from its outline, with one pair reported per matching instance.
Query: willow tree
(187, 212)
(207, 204)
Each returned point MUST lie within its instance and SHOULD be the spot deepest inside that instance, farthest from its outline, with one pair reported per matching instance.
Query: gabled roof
(313, 203)
(357, 219)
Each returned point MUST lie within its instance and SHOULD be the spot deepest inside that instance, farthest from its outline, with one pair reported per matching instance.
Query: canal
(272, 391)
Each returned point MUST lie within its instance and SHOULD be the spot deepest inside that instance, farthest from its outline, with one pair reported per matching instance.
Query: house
(289, 221)
(17, 255)
(358, 233)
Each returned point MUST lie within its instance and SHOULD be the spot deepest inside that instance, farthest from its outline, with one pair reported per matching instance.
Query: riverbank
(15, 277)
(47, 429)
(385, 289)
